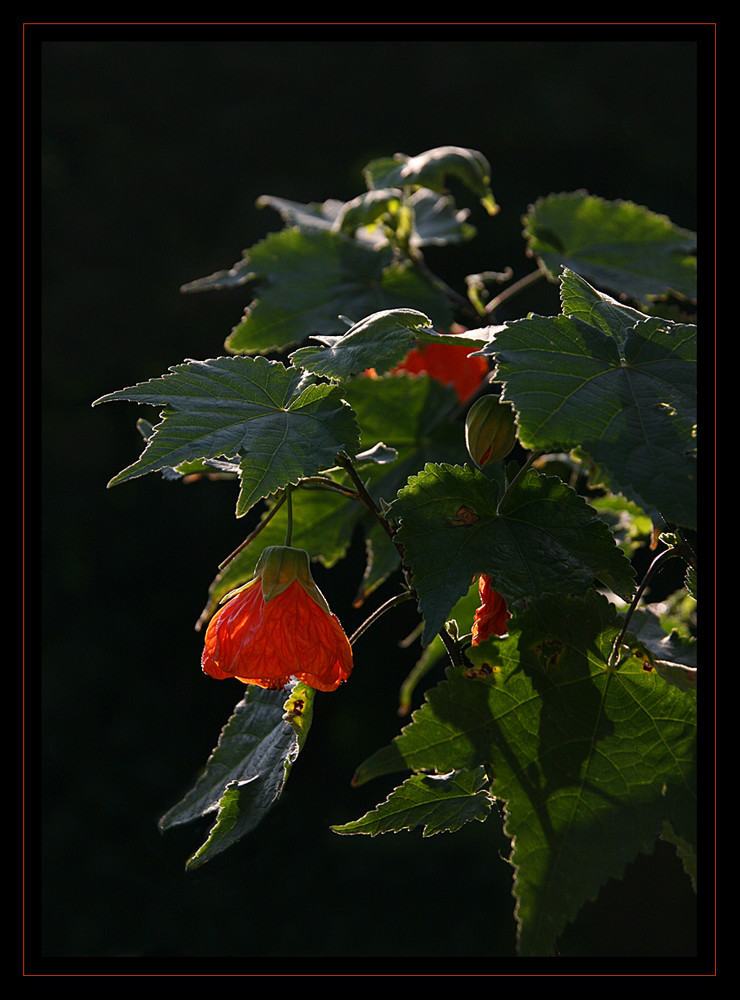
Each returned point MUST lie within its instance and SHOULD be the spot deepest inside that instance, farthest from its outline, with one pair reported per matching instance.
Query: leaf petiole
(651, 571)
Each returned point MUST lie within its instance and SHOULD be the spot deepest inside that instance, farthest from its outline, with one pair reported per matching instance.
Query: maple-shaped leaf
(274, 423)
(616, 244)
(590, 759)
(540, 538)
(614, 382)
(306, 279)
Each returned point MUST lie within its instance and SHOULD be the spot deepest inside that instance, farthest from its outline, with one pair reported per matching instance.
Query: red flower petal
(268, 643)
(449, 364)
(492, 615)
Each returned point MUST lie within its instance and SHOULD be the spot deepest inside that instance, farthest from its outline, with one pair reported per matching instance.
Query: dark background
(146, 151)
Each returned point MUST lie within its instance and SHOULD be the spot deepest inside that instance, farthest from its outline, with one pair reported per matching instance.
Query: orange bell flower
(491, 616)
(276, 627)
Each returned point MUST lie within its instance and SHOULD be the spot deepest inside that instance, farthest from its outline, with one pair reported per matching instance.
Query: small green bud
(490, 430)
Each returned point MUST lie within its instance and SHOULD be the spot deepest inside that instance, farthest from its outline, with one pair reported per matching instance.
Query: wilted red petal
(450, 364)
(492, 615)
(268, 643)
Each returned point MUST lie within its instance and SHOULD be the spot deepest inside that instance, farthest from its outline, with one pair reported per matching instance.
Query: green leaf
(436, 802)
(590, 761)
(410, 413)
(620, 386)
(631, 526)
(436, 219)
(276, 423)
(433, 169)
(380, 341)
(246, 772)
(542, 539)
(310, 278)
(616, 244)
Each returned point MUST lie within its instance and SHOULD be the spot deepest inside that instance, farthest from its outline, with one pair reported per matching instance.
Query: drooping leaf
(543, 538)
(617, 245)
(308, 278)
(277, 424)
(246, 772)
(435, 802)
(591, 760)
(437, 221)
(620, 386)
(379, 342)
(432, 169)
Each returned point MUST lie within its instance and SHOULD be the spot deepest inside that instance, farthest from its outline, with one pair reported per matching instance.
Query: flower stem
(452, 647)
(263, 524)
(289, 507)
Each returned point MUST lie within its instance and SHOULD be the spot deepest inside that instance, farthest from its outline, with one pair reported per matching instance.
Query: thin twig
(323, 483)
(392, 602)
(346, 463)
(518, 286)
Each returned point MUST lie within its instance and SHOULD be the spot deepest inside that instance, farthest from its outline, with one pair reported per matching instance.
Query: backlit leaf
(617, 384)
(277, 424)
(542, 539)
(617, 245)
(590, 761)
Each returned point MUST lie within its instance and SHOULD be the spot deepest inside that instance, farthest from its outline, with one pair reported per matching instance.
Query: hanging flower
(449, 364)
(491, 616)
(278, 626)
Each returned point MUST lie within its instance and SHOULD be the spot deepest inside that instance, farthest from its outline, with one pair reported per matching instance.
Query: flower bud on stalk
(490, 430)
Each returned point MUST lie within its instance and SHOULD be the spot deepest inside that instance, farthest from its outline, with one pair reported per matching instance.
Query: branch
(345, 461)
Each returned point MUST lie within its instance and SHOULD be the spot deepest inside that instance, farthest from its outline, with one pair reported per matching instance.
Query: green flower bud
(490, 430)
